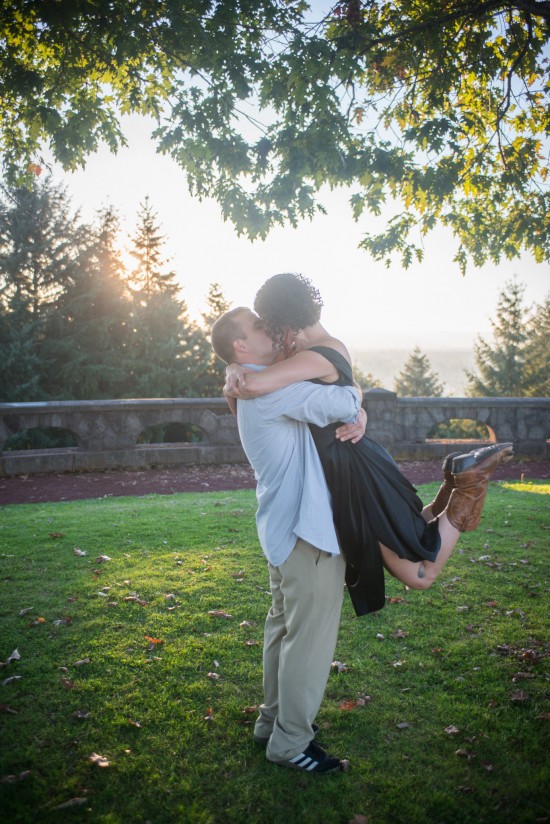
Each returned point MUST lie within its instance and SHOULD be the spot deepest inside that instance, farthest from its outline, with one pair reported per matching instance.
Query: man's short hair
(225, 331)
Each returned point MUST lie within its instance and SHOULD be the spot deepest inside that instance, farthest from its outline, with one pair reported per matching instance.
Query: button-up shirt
(293, 498)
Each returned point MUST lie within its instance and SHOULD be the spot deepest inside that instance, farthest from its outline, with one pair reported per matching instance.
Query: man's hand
(353, 431)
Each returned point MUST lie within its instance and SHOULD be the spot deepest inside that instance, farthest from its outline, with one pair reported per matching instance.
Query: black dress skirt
(372, 502)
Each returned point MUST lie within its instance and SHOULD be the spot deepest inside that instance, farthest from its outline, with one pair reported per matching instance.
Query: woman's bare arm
(303, 366)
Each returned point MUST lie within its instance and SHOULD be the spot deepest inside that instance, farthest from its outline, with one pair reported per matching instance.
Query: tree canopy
(438, 110)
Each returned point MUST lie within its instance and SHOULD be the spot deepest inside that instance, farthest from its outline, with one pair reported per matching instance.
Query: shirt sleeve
(312, 403)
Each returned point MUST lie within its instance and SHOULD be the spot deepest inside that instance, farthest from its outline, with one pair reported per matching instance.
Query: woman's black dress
(372, 502)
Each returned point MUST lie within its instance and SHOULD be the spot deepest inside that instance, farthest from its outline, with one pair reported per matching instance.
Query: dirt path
(71, 487)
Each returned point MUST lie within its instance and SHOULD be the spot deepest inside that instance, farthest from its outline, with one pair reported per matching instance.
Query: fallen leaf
(491, 603)
(13, 779)
(339, 666)
(68, 684)
(215, 676)
(399, 633)
(13, 657)
(154, 640)
(451, 729)
(403, 725)
(102, 558)
(82, 715)
(250, 710)
(519, 696)
(12, 678)
(379, 636)
(7, 709)
(251, 643)
(348, 705)
(82, 662)
(487, 766)
(134, 723)
(466, 754)
(37, 622)
(79, 552)
(359, 819)
(247, 624)
(219, 613)
(24, 611)
(395, 600)
(209, 715)
(100, 760)
(72, 802)
(56, 534)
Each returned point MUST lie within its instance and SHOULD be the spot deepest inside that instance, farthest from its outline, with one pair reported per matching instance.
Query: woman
(380, 519)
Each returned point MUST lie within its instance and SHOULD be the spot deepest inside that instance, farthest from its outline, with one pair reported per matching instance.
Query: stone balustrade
(107, 433)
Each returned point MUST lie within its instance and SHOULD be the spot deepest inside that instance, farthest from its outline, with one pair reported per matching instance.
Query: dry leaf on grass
(14, 779)
(99, 760)
(219, 613)
(72, 802)
(15, 656)
(7, 709)
(56, 534)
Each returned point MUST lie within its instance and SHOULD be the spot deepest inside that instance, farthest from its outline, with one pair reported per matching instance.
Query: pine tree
(416, 378)
(501, 362)
(150, 276)
(19, 363)
(86, 334)
(166, 347)
(38, 239)
(537, 349)
(210, 374)
(366, 380)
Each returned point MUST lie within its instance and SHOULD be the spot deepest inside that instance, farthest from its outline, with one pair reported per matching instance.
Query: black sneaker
(313, 760)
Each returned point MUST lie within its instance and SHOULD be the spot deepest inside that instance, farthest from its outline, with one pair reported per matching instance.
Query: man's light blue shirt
(293, 498)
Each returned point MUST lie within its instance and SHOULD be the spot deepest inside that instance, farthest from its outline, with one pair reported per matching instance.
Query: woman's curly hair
(287, 301)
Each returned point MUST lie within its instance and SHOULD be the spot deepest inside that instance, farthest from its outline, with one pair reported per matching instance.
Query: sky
(367, 305)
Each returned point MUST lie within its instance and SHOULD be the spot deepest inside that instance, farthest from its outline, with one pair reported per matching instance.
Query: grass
(441, 710)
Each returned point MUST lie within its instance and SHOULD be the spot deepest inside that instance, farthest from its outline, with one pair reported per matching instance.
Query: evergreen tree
(165, 345)
(416, 378)
(366, 380)
(150, 276)
(85, 348)
(40, 243)
(19, 363)
(210, 374)
(537, 349)
(38, 239)
(501, 363)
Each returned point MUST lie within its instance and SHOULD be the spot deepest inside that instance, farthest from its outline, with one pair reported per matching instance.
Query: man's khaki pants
(299, 640)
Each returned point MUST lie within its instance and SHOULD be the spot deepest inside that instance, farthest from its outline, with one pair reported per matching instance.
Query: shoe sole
(469, 461)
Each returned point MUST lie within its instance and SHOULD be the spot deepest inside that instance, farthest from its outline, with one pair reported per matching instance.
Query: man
(296, 532)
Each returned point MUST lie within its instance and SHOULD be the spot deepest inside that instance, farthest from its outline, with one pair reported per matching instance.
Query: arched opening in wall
(461, 429)
(174, 432)
(48, 437)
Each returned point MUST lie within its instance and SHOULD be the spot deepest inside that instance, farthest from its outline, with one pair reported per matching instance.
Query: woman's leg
(461, 515)
(422, 574)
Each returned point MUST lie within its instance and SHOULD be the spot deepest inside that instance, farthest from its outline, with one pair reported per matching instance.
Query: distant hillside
(385, 364)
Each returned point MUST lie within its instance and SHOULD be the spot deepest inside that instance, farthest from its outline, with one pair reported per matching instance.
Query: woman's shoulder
(333, 344)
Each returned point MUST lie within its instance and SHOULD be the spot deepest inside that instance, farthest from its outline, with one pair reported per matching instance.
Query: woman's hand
(235, 382)
(353, 431)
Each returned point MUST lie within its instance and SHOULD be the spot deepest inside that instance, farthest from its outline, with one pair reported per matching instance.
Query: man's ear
(240, 345)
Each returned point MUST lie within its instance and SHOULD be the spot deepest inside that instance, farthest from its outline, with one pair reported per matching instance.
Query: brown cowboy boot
(441, 499)
(471, 475)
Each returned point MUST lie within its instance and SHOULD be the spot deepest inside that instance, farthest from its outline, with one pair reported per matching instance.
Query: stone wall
(107, 432)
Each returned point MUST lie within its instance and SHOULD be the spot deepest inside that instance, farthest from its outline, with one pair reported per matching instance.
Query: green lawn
(441, 708)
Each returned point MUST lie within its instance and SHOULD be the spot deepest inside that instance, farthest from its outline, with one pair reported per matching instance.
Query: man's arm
(312, 403)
